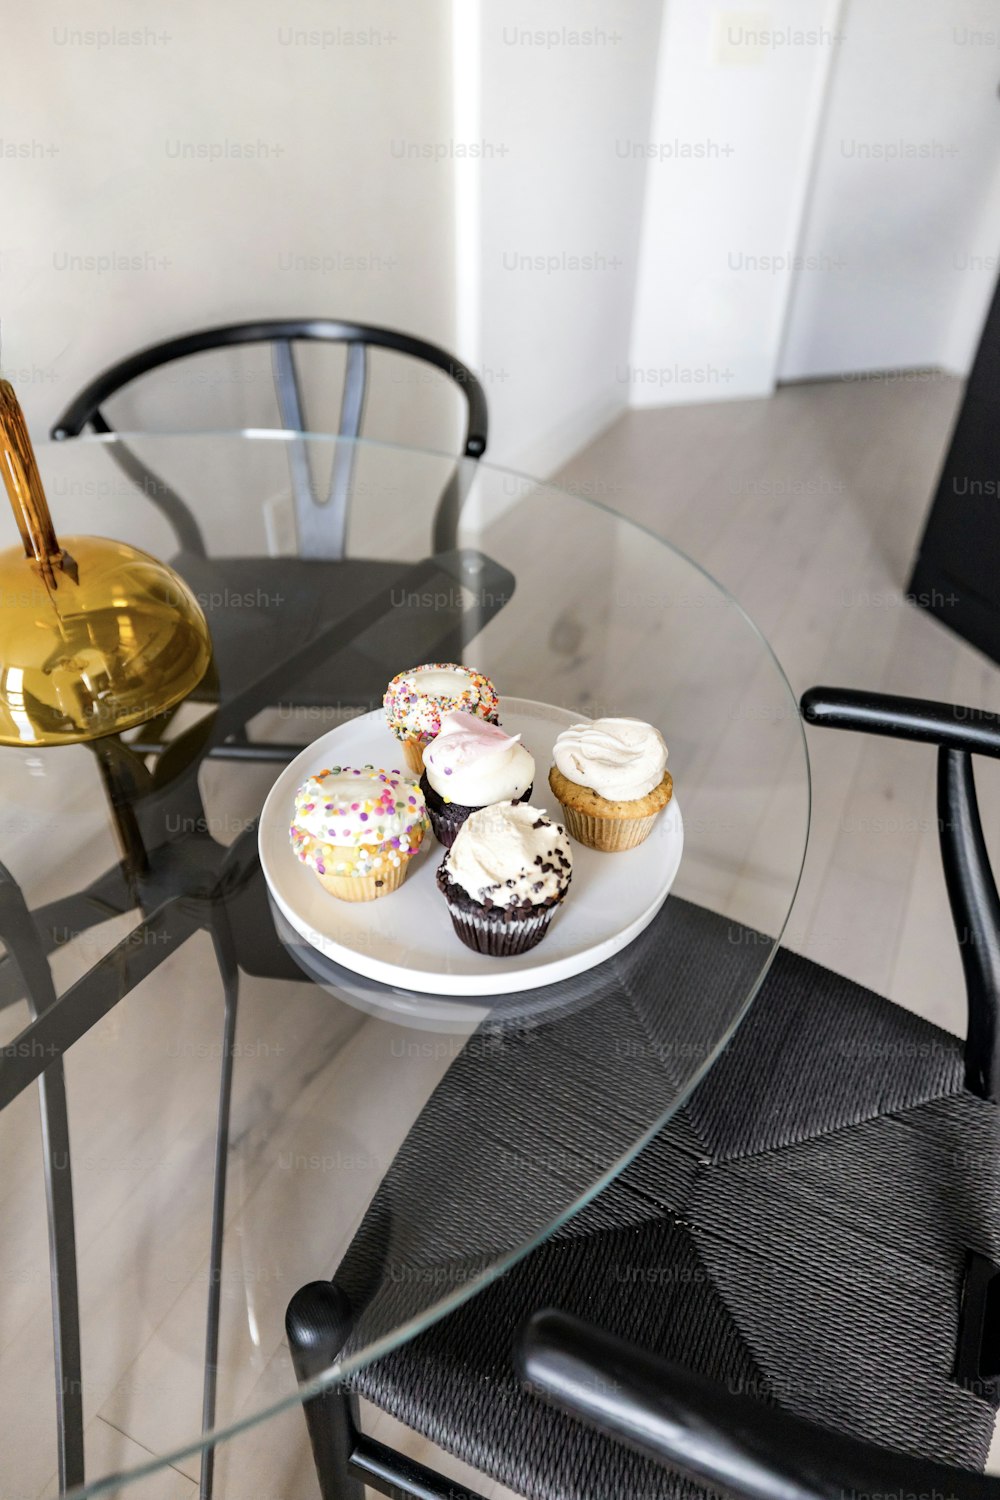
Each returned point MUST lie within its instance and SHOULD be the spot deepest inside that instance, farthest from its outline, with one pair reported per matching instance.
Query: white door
(901, 236)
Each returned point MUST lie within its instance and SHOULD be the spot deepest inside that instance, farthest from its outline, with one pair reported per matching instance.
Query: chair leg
(317, 1324)
(225, 954)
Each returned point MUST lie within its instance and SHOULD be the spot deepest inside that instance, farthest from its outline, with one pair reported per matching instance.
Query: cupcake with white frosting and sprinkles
(416, 701)
(357, 829)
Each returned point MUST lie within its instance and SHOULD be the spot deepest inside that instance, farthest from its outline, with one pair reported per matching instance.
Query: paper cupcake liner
(413, 753)
(365, 887)
(609, 835)
(446, 824)
(485, 932)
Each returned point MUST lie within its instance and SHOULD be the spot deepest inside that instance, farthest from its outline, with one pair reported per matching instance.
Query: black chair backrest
(320, 533)
(724, 1442)
(959, 733)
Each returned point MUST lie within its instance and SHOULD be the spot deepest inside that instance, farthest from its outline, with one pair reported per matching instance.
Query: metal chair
(281, 333)
(320, 584)
(818, 1229)
(148, 801)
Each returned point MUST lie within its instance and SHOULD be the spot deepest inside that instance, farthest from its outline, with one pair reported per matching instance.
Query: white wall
(327, 212)
(738, 98)
(905, 205)
(591, 208)
(549, 215)
(407, 165)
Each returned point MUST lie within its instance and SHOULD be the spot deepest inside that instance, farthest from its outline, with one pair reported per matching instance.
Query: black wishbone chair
(327, 534)
(812, 1305)
(221, 891)
(321, 583)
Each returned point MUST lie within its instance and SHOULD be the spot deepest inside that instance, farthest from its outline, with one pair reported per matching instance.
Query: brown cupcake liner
(365, 887)
(499, 936)
(609, 835)
(446, 825)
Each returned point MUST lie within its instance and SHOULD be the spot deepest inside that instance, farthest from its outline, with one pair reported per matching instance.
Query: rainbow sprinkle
(380, 831)
(410, 713)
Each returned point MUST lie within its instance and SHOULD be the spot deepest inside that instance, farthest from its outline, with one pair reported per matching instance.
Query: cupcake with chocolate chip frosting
(357, 829)
(612, 782)
(416, 701)
(469, 765)
(505, 877)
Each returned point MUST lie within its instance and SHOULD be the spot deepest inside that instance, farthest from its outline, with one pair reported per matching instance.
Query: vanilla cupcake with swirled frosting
(469, 765)
(611, 779)
(357, 828)
(416, 701)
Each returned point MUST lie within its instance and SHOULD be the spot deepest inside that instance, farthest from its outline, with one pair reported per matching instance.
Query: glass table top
(410, 1145)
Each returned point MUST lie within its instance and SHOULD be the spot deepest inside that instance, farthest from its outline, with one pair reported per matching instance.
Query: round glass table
(229, 1114)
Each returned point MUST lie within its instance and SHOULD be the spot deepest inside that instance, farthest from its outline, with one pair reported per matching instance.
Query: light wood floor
(807, 506)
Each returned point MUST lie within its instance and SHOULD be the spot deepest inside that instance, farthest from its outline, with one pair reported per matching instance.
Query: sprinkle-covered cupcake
(416, 701)
(612, 781)
(469, 765)
(505, 876)
(358, 829)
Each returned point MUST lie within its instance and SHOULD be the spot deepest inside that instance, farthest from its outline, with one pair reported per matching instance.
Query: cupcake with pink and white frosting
(472, 764)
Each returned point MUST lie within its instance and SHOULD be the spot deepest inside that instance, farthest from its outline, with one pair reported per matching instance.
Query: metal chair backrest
(322, 525)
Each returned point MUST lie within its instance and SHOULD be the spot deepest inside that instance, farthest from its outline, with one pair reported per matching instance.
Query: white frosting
(620, 759)
(510, 853)
(350, 807)
(440, 682)
(474, 763)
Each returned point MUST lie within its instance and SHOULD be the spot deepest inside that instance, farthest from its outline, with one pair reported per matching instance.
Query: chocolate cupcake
(469, 765)
(505, 877)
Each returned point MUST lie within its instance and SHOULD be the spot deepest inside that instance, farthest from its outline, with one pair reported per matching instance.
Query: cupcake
(504, 877)
(358, 829)
(415, 702)
(611, 780)
(469, 765)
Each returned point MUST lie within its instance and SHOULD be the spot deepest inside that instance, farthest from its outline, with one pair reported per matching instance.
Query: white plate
(407, 938)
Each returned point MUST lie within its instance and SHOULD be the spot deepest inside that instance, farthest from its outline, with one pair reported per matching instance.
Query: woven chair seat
(798, 1232)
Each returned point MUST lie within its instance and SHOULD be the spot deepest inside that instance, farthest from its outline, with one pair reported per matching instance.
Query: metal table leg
(25, 949)
(225, 953)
